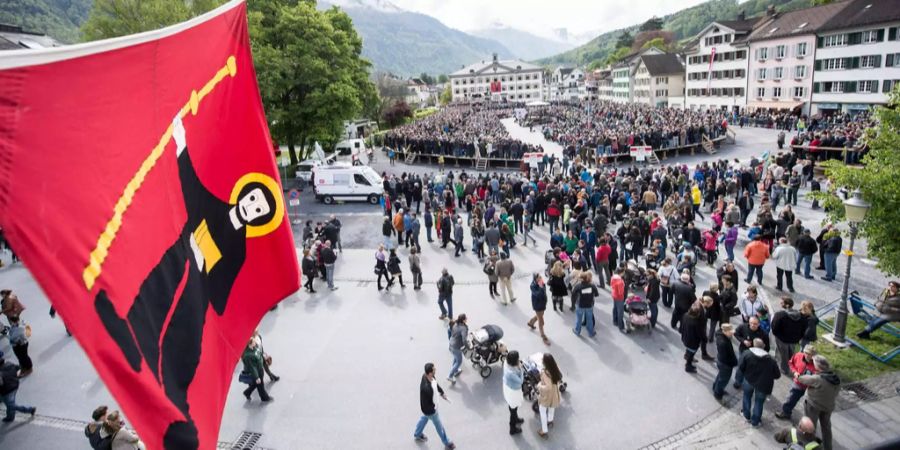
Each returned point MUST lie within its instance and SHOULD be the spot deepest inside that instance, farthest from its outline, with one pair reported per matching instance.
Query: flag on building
(139, 187)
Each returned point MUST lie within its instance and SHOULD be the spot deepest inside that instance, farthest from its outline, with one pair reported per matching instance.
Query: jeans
(417, 279)
(722, 378)
(428, 234)
(729, 250)
(581, 315)
(786, 274)
(755, 399)
(329, 275)
(457, 361)
(794, 396)
(667, 296)
(448, 311)
(792, 195)
(603, 273)
(654, 313)
(436, 420)
(619, 314)
(11, 407)
(806, 260)
(876, 324)
(754, 268)
(831, 265)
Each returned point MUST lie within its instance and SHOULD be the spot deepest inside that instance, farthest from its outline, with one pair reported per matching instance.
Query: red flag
(709, 71)
(139, 186)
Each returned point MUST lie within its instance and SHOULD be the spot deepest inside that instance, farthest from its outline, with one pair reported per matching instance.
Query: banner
(139, 187)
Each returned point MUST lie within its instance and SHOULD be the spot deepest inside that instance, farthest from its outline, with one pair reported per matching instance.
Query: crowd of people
(636, 230)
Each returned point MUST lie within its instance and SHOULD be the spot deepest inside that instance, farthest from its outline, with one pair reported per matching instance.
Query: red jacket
(603, 253)
(617, 284)
(799, 365)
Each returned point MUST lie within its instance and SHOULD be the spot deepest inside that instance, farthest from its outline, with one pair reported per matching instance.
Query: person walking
(683, 293)
(538, 304)
(788, 328)
(9, 386)
(267, 360)
(584, 292)
(415, 266)
(459, 329)
(513, 377)
(308, 266)
(806, 248)
(393, 267)
(693, 334)
(821, 393)
(329, 258)
(548, 392)
(617, 291)
(800, 364)
(725, 359)
(429, 410)
(253, 369)
(601, 263)
(381, 266)
(808, 311)
(745, 334)
(756, 252)
(832, 249)
(786, 258)
(490, 269)
(10, 306)
(760, 372)
(122, 438)
(445, 293)
(387, 230)
(667, 277)
(558, 288)
(18, 334)
(458, 236)
(505, 270)
(653, 295)
(729, 238)
(888, 306)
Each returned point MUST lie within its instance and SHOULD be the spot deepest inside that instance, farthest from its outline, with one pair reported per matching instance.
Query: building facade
(510, 80)
(622, 75)
(857, 59)
(567, 83)
(723, 83)
(656, 78)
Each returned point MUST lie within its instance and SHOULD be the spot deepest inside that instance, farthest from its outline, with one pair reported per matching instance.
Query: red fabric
(74, 133)
(603, 252)
(798, 365)
(617, 286)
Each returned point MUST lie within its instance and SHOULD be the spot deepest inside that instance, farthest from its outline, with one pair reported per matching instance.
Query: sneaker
(268, 399)
(421, 438)
(781, 415)
(334, 288)
(8, 419)
(690, 369)
(515, 431)
(247, 396)
(756, 425)
(450, 446)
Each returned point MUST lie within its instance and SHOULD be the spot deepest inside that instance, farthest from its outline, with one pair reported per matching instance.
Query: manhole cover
(246, 441)
(862, 391)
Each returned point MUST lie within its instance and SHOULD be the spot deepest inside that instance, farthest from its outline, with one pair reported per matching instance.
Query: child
(18, 339)
(762, 313)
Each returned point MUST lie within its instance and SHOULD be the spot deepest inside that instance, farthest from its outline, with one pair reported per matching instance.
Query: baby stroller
(534, 364)
(637, 314)
(635, 275)
(486, 348)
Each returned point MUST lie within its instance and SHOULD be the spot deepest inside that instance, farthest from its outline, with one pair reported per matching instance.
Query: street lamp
(855, 209)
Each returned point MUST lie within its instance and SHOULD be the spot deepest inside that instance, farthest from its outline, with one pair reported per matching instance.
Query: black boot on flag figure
(164, 325)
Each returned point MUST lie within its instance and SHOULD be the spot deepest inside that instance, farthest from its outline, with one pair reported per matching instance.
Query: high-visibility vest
(795, 443)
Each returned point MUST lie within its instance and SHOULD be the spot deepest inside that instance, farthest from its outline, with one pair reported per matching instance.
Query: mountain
(406, 43)
(59, 19)
(685, 24)
(523, 44)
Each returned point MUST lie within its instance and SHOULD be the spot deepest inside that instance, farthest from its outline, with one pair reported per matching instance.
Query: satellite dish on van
(319, 152)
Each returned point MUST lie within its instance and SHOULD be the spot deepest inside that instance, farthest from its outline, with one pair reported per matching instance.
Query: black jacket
(585, 293)
(760, 370)
(788, 326)
(683, 294)
(727, 302)
(744, 333)
(328, 256)
(653, 290)
(806, 245)
(693, 330)
(9, 378)
(309, 267)
(426, 396)
(538, 297)
(725, 350)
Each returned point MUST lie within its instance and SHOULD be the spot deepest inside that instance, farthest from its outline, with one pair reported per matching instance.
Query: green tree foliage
(443, 78)
(625, 40)
(111, 18)
(662, 40)
(821, 2)
(654, 23)
(59, 19)
(617, 56)
(397, 114)
(427, 79)
(446, 96)
(879, 182)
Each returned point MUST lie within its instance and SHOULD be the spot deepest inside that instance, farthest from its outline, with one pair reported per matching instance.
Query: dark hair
(459, 319)
(512, 358)
(788, 302)
(270, 200)
(429, 368)
(551, 368)
(99, 412)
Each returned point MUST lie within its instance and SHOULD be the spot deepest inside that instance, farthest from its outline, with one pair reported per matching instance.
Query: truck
(359, 154)
(340, 182)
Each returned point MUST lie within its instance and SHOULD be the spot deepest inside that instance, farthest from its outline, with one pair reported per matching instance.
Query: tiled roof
(860, 13)
(802, 21)
(667, 63)
(484, 66)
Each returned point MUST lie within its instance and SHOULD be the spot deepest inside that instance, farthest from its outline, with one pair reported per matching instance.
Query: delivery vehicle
(339, 182)
(305, 168)
(356, 149)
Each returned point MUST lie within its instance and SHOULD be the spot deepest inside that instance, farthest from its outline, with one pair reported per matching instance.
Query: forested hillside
(57, 18)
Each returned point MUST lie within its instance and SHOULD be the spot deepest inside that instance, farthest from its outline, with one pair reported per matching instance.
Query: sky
(542, 16)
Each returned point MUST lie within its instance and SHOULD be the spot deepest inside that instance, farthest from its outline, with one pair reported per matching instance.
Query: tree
(427, 79)
(596, 64)
(617, 56)
(443, 78)
(625, 40)
(654, 23)
(662, 40)
(397, 113)
(446, 95)
(879, 183)
(111, 18)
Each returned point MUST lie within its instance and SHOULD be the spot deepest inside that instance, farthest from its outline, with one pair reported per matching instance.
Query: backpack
(97, 442)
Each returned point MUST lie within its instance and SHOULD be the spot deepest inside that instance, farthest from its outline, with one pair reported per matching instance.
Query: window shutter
(886, 86)
(854, 38)
(877, 61)
(818, 64)
(820, 41)
(854, 63)
(874, 86)
(816, 87)
(889, 60)
(849, 86)
(881, 35)
(892, 33)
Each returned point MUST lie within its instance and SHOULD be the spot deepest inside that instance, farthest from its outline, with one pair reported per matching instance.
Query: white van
(305, 168)
(356, 149)
(345, 183)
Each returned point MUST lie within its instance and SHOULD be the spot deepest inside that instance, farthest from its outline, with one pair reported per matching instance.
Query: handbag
(245, 377)
(267, 359)
(28, 331)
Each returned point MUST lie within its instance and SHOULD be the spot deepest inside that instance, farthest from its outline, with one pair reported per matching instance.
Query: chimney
(741, 15)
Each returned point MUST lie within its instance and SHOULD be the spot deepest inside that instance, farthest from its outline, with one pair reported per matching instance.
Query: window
(799, 92)
(870, 61)
(892, 60)
(837, 87)
(360, 180)
(867, 86)
(887, 85)
(740, 54)
(835, 40)
(800, 72)
(869, 37)
(760, 92)
(762, 54)
(776, 92)
(834, 64)
(780, 51)
(761, 74)
(801, 50)
(342, 179)
(779, 73)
